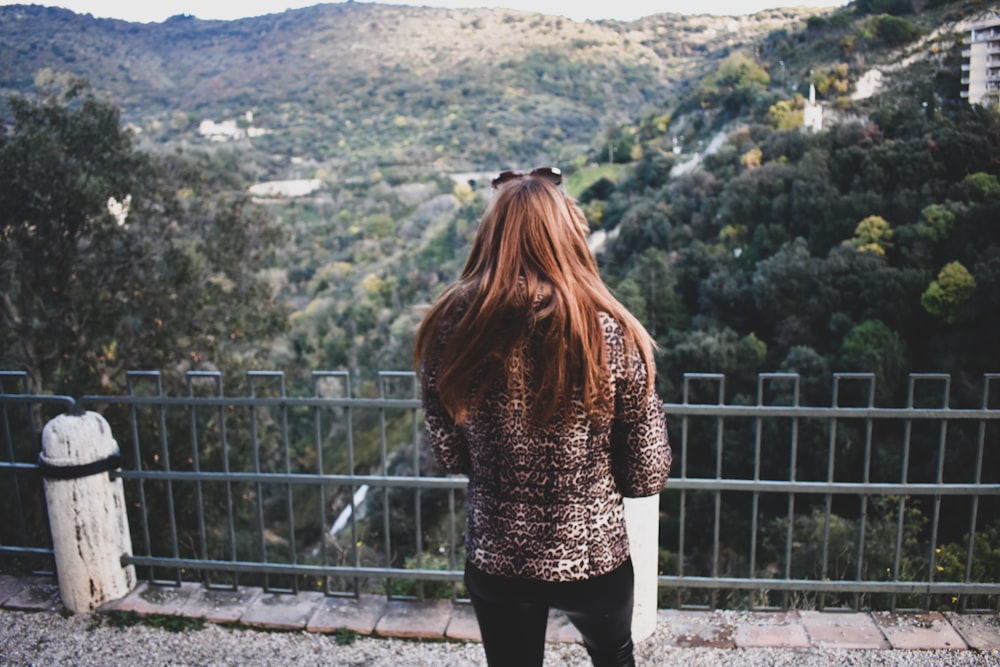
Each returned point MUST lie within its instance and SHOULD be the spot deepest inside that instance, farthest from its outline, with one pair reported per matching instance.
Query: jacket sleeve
(640, 449)
(446, 438)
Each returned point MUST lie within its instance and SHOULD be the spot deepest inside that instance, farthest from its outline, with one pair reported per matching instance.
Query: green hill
(457, 89)
(394, 114)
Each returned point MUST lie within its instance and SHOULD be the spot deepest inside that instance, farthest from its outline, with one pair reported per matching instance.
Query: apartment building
(981, 66)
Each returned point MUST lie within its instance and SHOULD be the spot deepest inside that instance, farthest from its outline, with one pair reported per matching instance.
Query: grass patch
(123, 619)
(128, 619)
(174, 623)
(582, 179)
(345, 637)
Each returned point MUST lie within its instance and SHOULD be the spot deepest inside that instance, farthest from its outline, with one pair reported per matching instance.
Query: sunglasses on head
(551, 174)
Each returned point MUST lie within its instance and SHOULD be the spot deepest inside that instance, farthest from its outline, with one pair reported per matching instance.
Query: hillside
(457, 89)
(388, 117)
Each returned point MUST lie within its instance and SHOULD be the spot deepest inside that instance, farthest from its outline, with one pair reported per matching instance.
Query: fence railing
(24, 532)
(771, 504)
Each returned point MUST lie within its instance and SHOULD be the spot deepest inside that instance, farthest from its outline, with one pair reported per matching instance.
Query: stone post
(642, 520)
(87, 514)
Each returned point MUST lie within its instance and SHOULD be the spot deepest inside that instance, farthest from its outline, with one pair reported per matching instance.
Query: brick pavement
(443, 619)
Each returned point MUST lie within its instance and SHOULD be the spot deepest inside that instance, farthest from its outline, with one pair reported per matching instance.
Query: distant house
(230, 130)
(981, 66)
(285, 189)
(812, 113)
(223, 131)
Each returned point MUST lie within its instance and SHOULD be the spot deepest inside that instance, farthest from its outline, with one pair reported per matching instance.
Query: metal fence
(24, 532)
(771, 504)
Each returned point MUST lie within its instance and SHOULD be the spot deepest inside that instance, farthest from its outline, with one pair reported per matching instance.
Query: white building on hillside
(285, 189)
(223, 131)
(981, 69)
(812, 113)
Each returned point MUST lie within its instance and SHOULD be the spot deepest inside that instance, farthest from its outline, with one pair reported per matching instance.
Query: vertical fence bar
(720, 381)
(19, 380)
(165, 452)
(384, 470)
(417, 492)
(318, 446)
(255, 445)
(137, 454)
(831, 472)
(452, 538)
(320, 381)
(131, 378)
(337, 384)
(279, 379)
(904, 476)
(977, 478)
(717, 518)
(167, 466)
(828, 499)
(939, 475)
(388, 381)
(866, 475)
(289, 494)
(762, 380)
(792, 475)
(190, 378)
(755, 496)
(224, 453)
(214, 379)
(23, 420)
(349, 417)
(682, 508)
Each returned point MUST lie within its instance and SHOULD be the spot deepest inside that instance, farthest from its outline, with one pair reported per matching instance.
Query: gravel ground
(47, 638)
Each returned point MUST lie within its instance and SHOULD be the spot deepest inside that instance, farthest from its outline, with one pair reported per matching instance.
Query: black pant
(513, 614)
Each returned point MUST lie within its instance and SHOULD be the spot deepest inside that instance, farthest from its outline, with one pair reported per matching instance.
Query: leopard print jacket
(546, 503)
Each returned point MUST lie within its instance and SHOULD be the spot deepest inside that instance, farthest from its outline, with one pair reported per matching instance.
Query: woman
(538, 385)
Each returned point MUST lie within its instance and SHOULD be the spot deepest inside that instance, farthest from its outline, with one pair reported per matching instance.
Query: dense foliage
(352, 87)
(871, 246)
(112, 260)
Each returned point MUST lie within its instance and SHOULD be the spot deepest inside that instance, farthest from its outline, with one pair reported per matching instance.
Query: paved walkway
(445, 620)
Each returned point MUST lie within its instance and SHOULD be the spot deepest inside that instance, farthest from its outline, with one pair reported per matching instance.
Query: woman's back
(544, 501)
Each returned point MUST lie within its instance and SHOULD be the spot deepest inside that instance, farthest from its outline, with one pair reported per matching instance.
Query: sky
(578, 10)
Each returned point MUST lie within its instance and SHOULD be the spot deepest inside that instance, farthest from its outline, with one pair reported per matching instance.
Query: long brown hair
(530, 277)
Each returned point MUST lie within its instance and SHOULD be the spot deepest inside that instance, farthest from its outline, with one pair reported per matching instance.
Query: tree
(787, 114)
(661, 308)
(895, 31)
(982, 185)
(740, 69)
(715, 351)
(814, 371)
(938, 220)
(784, 286)
(862, 7)
(873, 234)
(113, 260)
(875, 348)
(947, 296)
(736, 84)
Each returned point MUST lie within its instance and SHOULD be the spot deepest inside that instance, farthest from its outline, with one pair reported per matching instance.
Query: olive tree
(112, 259)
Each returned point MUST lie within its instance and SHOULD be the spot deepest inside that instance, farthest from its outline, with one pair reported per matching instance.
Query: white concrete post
(642, 520)
(87, 514)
